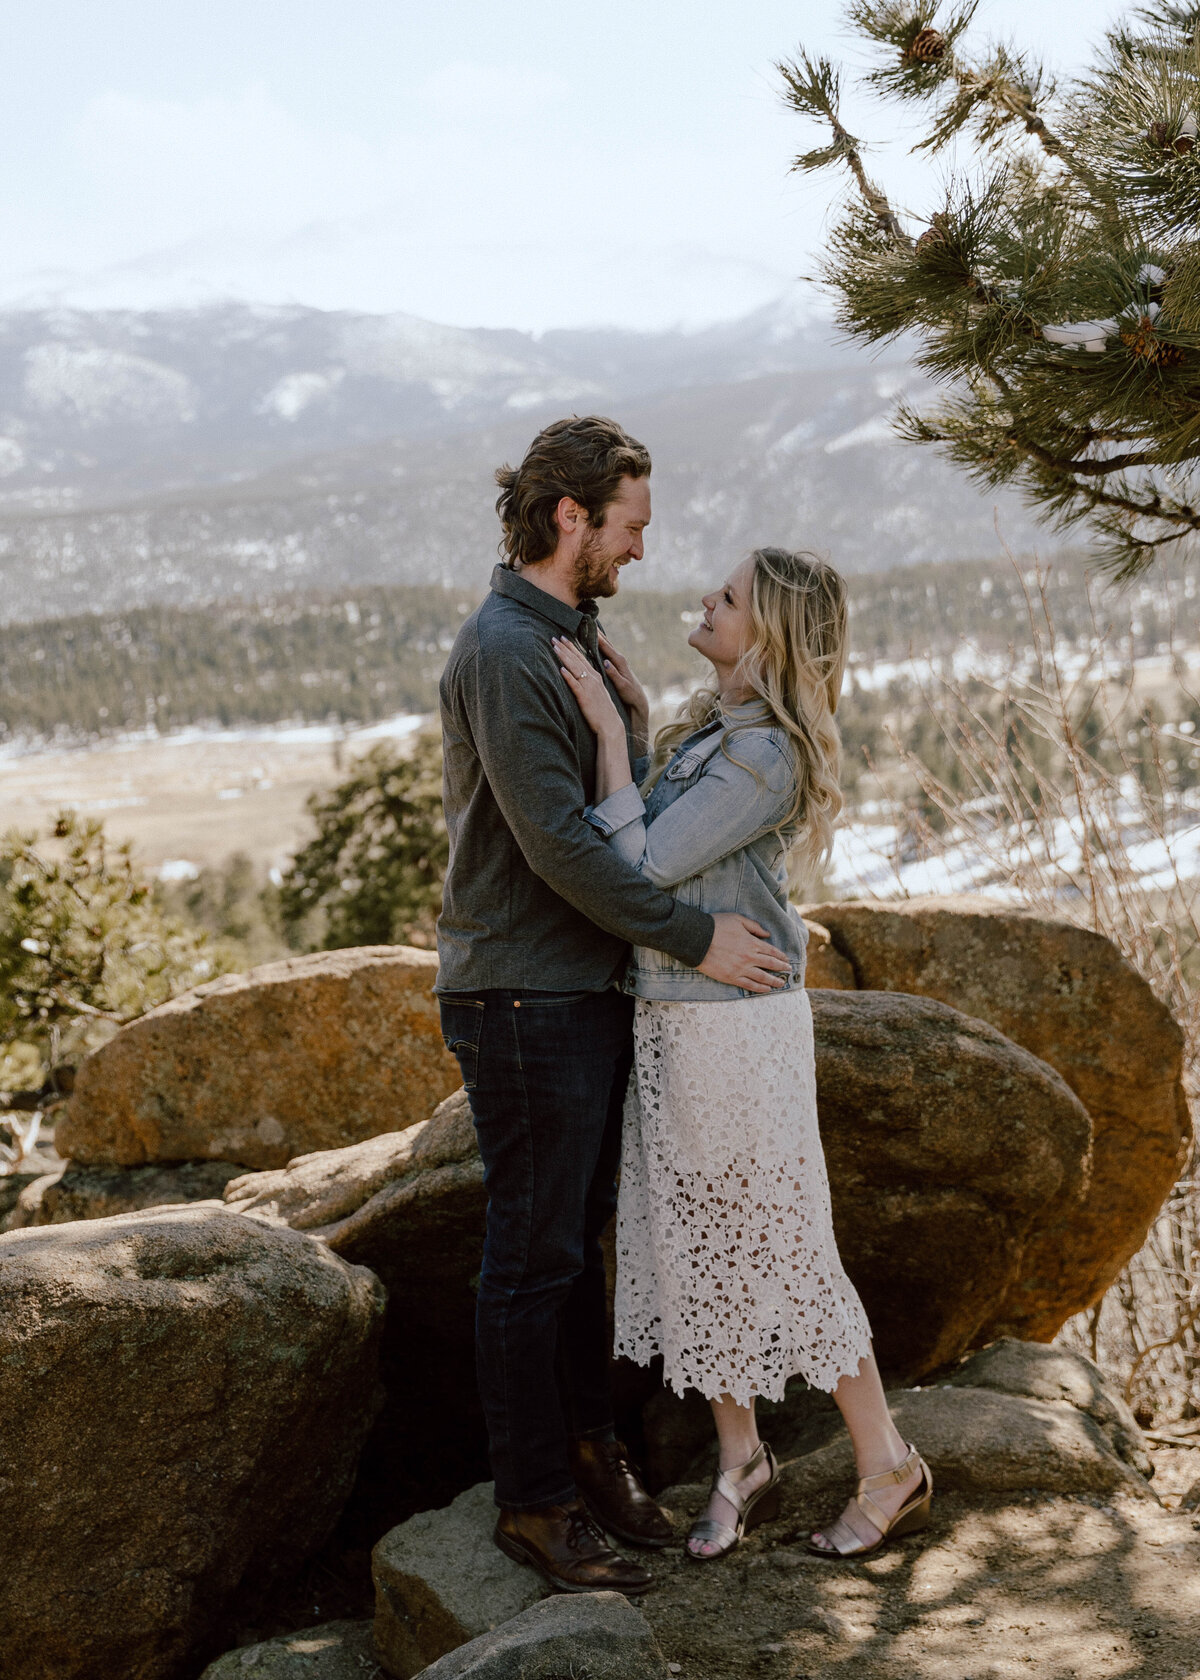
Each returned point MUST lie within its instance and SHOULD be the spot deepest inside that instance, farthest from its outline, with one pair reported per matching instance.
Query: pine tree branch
(1011, 97)
(876, 201)
(1154, 507)
(999, 89)
(1070, 466)
(811, 87)
(1109, 464)
(1018, 102)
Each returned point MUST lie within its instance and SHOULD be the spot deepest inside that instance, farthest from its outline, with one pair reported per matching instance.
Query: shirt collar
(571, 619)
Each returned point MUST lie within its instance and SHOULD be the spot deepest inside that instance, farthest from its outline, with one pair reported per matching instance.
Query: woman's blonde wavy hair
(794, 664)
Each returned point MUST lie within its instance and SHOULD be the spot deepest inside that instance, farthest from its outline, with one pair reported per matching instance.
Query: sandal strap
(710, 1532)
(842, 1535)
(728, 1483)
(901, 1473)
(845, 1541)
(876, 1516)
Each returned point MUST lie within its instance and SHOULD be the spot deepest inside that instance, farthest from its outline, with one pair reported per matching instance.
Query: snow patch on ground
(873, 859)
(397, 728)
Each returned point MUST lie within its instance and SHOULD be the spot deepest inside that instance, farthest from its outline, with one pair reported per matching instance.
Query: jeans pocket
(462, 1024)
(555, 1000)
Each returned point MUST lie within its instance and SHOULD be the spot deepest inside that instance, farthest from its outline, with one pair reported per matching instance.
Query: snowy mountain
(191, 455)
(102, 403)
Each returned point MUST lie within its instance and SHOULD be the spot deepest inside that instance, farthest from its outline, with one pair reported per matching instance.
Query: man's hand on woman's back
(741, 955)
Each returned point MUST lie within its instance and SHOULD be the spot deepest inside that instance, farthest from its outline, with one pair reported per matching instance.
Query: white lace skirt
(726, 1258)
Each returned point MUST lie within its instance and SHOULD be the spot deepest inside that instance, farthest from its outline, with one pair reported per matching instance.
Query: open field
(192, 798)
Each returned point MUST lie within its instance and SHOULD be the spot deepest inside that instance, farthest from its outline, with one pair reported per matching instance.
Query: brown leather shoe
(568, 1551)
(614, 1495)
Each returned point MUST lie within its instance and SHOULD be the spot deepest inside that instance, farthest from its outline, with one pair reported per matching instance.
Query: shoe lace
(616, 1460)
(580, 1527)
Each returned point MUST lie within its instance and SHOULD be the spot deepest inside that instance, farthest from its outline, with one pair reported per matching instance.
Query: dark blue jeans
(545, 1074)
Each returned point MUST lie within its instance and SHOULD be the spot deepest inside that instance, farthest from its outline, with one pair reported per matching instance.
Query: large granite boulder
(411, 1206)
(1061, 1375)
(333, 1651)
(185, 1394)
(446, 1595)
(342, 1195)
(311, 1053)
(79, 1192)
(975, 1440)
(582, 1636)
(948, 1147)
(439, 1578)
(440, 1581)
(1068, 996)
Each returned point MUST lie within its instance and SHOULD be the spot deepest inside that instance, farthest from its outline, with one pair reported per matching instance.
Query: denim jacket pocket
(684, 766)
(462, 1025)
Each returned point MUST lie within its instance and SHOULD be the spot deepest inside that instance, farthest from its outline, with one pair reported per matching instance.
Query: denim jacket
(708, 834)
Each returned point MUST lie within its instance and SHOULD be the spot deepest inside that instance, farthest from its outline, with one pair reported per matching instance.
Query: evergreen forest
(356, 656)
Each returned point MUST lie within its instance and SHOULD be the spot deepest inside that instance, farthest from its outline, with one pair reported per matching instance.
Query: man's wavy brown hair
(585, 459)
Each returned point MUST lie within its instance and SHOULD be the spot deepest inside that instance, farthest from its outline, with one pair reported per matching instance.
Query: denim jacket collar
(705, 740)
(753, 710)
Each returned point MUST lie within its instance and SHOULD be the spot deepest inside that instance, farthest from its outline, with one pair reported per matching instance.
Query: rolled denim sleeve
(621, 818)
(624, 806)
(729, 806)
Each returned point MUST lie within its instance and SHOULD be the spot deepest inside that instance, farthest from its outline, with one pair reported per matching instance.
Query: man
(537, 919)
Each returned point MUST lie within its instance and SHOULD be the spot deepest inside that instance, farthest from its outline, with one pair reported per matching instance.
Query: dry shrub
(1065, 788)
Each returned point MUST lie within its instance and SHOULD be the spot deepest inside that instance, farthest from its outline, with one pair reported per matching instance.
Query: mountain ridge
(228, 451)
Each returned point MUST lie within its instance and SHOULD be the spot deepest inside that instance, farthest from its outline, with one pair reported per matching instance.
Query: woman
(728, 1265)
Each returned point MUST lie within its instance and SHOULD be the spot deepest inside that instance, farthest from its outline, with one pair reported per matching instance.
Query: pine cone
(926, 46)
(935, 234)
(1163, 137)
(1145, 343)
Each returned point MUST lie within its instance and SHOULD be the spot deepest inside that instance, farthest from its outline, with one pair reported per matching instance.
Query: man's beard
(593, 566)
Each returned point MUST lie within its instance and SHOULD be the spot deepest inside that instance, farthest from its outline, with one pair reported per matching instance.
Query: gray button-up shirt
(534, 896)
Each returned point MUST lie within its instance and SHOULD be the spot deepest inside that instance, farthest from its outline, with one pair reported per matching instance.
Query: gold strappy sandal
(752, 1509)
(912, 1516)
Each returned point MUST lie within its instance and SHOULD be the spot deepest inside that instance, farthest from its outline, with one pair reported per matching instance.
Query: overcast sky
(533, 164)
